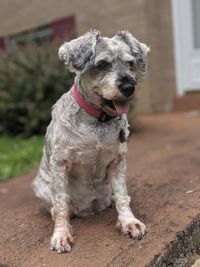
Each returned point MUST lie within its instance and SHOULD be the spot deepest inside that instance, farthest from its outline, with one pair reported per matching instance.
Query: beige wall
(149, 21)
(161, 63)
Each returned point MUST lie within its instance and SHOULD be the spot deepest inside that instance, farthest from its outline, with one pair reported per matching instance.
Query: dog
(83, 167)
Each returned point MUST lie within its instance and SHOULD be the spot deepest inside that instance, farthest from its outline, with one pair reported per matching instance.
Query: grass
(18, 156)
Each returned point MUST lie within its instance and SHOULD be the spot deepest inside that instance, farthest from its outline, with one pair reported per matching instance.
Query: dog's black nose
(127, 85)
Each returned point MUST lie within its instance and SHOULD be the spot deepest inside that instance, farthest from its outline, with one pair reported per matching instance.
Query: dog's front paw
(132, 227)
(62, 241)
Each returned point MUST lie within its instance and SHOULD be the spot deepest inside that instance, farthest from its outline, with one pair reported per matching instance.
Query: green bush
(31, 80)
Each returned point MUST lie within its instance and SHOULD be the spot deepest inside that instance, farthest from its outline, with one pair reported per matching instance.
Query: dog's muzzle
(126, 85)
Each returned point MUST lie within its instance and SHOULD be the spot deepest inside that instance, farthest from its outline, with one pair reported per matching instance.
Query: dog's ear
(138, 50)
(79, 53)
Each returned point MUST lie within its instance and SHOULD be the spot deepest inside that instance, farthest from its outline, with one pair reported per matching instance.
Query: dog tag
(122, 137)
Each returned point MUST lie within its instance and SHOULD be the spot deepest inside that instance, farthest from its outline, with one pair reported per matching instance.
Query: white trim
(177, 58)
(187, 59)
(178, 43)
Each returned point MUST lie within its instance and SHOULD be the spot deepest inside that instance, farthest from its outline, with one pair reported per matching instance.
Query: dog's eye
(131, 64)
(103, 65)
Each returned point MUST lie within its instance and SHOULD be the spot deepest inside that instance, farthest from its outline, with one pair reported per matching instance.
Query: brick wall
(149, 21)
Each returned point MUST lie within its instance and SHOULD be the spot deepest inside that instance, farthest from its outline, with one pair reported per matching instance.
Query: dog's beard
(112, 107)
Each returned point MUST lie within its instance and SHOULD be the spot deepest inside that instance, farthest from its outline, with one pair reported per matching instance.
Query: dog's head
(108, 68)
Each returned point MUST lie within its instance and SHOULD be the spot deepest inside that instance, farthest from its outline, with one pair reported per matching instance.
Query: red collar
(94, 112)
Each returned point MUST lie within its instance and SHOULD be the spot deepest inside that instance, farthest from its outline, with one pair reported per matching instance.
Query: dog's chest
(92, 144)
(91, 157)
(88, 176)
(99, 153)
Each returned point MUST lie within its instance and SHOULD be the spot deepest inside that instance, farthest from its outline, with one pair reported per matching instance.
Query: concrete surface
(164, 182)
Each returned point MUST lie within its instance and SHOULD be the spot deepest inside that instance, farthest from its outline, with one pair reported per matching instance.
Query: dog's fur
(83, 165)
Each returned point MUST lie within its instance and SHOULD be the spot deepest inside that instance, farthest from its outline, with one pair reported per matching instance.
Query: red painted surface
(64, 29)
(2, 43)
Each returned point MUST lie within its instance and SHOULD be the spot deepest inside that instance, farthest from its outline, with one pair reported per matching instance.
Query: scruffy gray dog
(83, 165)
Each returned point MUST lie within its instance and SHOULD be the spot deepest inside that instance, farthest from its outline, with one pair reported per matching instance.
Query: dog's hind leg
(42, 191)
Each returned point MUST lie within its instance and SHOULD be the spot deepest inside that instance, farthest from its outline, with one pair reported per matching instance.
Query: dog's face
(108, 68)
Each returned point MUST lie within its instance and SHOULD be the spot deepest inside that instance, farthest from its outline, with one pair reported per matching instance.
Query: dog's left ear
(138, 50)
(79, 53)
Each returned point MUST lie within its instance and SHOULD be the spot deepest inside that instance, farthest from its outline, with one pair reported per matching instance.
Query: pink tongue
(121, 107)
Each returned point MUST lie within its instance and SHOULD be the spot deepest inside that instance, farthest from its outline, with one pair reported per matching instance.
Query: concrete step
(187, 102)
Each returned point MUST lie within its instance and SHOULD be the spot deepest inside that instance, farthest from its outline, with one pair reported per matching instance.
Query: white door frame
(187, 59)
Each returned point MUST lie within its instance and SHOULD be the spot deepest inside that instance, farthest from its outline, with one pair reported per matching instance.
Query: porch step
(187, 102)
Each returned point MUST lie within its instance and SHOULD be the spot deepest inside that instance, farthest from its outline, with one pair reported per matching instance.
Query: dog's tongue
(121, 107)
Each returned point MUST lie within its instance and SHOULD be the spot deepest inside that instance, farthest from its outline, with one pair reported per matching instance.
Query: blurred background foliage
(19, 155)
(32, 79)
